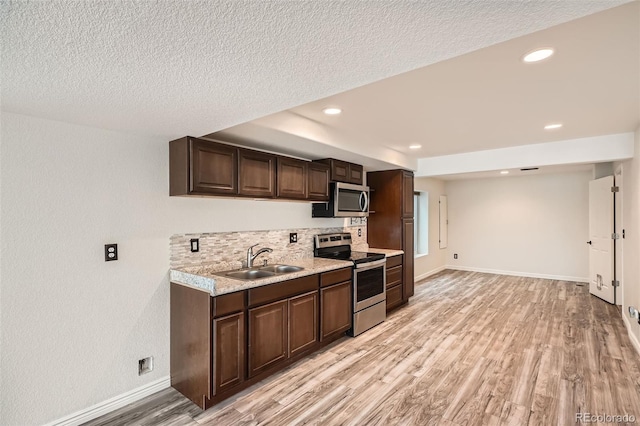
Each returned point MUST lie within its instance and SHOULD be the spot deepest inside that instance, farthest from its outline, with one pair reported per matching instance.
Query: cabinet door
(213, 168)
(303, 322)
(268, 340)
(407, 194)
(318, 182)
(335, 310)
(292, 178)
(228, 355)
(257, 174)
(339, 171)
(356, 173)
(407, 239)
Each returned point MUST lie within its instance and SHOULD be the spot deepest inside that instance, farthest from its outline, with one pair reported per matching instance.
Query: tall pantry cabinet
(390, 224)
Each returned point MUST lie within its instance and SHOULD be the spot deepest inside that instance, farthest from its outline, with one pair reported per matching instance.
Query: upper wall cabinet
(256, 173)
(318, 187)
(202, 167)
(341, 171)
(292, 178)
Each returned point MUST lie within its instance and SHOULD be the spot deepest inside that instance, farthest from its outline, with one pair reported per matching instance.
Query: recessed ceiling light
(552, 126)
(332, 111)
(504, 172)
(415, 146)
(538, 55)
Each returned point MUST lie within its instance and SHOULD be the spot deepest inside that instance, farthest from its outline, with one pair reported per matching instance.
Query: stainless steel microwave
(345, 200)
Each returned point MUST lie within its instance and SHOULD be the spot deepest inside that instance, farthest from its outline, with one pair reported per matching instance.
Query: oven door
(369, 284)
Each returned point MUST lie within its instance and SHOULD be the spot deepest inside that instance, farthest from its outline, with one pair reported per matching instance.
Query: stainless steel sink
(260, 272)
(281, 269)
(249, 274)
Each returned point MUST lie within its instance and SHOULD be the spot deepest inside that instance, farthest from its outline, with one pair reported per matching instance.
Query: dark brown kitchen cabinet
(256, 173)
(292, 178)
(356, 172)
(335, 302)
(228, 357)
(391, 226)
(318, 188)
(199, 167)
(342, 171)
(407, 238)
(303, 322)
(394, 270)
(268, 336)
(407, 195)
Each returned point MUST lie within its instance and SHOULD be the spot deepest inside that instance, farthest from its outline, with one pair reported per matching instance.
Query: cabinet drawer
(394, 261)
(394, 276)
(227, 304)
(283, 290)
(335, 277)
(394, 297)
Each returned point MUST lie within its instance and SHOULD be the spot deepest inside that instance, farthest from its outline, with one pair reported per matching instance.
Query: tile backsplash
(228, 250)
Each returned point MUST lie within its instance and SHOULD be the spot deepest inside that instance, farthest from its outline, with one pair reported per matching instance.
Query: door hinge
(615, 236)
(615, 283)
(615, 189)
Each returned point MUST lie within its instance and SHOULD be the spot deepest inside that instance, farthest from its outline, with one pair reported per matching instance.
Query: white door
(444, 222)
(619, 242)
(601, 242)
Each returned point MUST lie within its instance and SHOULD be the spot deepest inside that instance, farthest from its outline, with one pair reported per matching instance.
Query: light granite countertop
(204, 277)
(387, 252)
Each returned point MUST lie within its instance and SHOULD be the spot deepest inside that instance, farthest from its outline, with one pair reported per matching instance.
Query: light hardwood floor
(470, 348)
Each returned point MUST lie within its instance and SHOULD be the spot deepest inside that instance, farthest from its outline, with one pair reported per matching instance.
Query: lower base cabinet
(336, 310)
(228, 358)
(267, 336)
(221, 345)
(303, 322)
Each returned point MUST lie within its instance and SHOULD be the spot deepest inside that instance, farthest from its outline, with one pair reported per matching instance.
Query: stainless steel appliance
(345, 200)
(369, 279)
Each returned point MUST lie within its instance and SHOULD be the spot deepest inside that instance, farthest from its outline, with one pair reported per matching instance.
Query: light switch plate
(195, 245)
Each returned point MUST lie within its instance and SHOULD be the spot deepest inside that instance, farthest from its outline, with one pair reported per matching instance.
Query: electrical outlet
(145, 365)
(455, 255)
(110, 252)
(195, 245)
(293, 237)
(359, 232)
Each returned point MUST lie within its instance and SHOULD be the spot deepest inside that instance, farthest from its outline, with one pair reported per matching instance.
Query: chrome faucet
(251, 257)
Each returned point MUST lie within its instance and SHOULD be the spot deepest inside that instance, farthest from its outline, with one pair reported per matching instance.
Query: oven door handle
(371, 265)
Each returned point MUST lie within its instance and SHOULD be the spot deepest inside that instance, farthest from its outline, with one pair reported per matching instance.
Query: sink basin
(249, 274)
(281, 269)
(260, 272)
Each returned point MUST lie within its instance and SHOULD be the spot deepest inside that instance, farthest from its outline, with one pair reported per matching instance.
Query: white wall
(631, 221)
(527, 225)
(73, 326)
(436, 259)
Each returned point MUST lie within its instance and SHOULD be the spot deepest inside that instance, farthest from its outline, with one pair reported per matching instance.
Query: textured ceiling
(172, 68)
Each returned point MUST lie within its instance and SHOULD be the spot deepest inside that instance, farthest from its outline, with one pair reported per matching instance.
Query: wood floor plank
(468, 349)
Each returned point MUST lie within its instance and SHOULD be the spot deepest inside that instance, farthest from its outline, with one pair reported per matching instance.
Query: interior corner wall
(631, 249)
(533, 225)
(74, 326)
(436, 259)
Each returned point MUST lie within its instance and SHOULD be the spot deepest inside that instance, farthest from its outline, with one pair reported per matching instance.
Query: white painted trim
(632, 337)
(519, 274)
(428, 274)
(112, 404)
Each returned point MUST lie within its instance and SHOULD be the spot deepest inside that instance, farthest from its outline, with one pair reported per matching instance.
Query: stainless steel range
(369, 279)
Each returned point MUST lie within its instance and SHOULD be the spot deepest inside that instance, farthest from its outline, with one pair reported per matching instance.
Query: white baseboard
(519, 274)
(428, 274)
(632, 337)
(112, 404)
